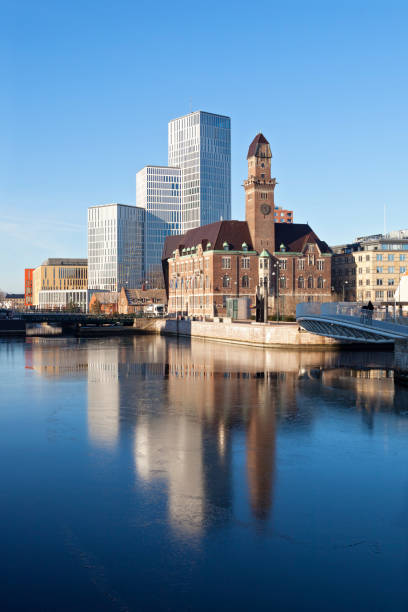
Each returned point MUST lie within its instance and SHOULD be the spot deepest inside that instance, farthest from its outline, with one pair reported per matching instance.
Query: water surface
(154, 474)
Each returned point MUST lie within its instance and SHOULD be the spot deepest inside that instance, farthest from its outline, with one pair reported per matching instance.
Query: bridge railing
(353, 310)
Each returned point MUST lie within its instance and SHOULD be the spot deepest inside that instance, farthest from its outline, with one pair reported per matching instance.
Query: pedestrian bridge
(347, 321)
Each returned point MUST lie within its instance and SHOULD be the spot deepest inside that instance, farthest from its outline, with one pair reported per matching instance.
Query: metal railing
(354, 314)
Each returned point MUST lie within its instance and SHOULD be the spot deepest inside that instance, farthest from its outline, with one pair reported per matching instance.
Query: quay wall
(255, 334)
(401, 361)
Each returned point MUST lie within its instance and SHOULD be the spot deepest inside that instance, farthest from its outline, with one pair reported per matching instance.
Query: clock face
(265, 209)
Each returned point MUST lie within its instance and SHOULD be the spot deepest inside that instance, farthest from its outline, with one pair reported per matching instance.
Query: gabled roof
(136, 296)
(295, 236)
(253, 147)
(233, 232)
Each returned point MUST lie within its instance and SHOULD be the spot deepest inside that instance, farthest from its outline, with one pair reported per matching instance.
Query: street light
(344, 290)
(276, 274)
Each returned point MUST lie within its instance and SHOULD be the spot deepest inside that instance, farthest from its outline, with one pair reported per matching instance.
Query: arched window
(226, 281)
(282, 282)
(245, 281)
(310, 282)
(320, 282)
(301, 282)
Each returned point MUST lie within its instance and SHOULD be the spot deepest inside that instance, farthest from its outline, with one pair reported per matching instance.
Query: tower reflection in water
(189, 407)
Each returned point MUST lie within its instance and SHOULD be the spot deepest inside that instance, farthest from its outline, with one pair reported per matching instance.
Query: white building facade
(200, 145)
(115, 246)
(158, 192)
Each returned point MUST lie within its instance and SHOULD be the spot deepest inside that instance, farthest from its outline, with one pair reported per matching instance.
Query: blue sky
(88, 88)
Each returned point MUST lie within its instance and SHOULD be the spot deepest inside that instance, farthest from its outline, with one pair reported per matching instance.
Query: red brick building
(280, 263)
(28, 286)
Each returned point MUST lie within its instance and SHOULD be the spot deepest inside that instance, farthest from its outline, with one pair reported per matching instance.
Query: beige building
(371, 268)
(60, 275)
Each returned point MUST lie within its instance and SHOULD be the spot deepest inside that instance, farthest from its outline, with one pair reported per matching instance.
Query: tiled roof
(135, 296)
(294, 237)
(253, 147)
(233, 232)
(105, 297)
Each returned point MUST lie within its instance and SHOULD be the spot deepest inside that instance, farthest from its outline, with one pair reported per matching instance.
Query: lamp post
(344, 290)
(276, 274)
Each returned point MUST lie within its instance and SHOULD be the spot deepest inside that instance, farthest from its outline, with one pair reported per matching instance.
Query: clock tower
(259, 195)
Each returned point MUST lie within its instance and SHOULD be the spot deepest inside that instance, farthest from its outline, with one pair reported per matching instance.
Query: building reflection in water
(103, 393)
(186, 403)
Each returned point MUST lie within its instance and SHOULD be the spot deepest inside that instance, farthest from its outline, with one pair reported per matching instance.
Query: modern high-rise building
(200, 145)
(158, 191)
(115, 246)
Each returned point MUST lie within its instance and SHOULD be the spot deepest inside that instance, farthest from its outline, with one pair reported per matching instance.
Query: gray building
(115, 246)
(158, 192)
(200, 145)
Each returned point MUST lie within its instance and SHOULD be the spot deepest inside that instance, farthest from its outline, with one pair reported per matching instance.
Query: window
(379, 294)
(320, 264)
(226, 281)
(301, 264)
(390, 294)
(245, 262)
(403, 270)
(311, 260)
(310, 282)
(367, 281)
(301, 282)
(402, 257)
(282, 282)
(391, 281)
(320, 282)
(391, 257)
(283, 264)
(379, 257)
(245, 281)
(360, 258)
(226, 263)
(360, 282)
(379, 281)
(379, 270)
(390, 269)
(367, 258)
(264, 196)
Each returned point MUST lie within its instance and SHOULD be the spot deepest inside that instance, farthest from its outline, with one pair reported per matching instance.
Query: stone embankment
(401, 361)
(254, 334)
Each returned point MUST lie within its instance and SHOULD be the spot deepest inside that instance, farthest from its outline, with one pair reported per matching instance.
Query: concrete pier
(254, 334)
(401, 361)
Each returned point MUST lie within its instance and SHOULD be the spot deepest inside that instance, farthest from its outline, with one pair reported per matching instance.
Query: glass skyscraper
(158, 191)
(200, 145)
(115, 246)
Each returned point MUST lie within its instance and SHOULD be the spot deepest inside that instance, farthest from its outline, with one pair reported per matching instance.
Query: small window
(226, 281)
(245, 281)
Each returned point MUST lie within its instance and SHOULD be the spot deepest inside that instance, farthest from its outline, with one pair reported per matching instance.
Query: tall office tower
(158, 191)
(115, 246)
(200, 144)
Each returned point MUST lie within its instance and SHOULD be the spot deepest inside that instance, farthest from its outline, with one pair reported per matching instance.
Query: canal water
(151, 473)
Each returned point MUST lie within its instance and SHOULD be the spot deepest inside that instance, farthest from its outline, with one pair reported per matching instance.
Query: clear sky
(89, 86)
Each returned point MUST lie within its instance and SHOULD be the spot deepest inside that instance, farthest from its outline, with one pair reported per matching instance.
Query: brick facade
(284, 262)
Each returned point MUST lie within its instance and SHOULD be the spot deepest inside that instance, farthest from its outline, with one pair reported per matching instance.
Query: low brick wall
(255, 334)
(401, 361)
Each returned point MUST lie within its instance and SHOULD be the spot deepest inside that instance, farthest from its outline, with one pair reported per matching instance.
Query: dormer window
(244, 246)
(226, 246)
(282, 248)
(208, 246)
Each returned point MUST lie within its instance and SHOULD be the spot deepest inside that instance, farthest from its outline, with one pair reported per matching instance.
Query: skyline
(84, 111)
